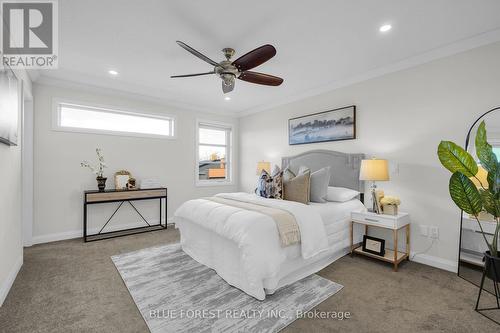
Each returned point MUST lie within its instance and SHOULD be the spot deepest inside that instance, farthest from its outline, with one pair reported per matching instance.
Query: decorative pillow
(270, 186)
(319, 185)
(340, 194)
(303, 169)
(288, 174)
(277, 187)
(297, 188)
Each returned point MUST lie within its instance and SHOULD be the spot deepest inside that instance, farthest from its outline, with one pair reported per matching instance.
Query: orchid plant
(98, 170)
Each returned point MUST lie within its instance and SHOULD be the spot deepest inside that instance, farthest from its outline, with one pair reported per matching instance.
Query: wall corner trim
(9, 281)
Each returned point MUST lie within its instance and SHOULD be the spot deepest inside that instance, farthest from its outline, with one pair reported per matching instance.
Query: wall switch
(424, 230)
(434, 232)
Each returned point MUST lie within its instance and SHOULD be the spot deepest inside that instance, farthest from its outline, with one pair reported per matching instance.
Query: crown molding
(460, 46)
(92, 88)
(157, 96)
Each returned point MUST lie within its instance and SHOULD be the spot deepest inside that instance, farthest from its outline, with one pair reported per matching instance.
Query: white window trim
(214, 182)
(56, 119)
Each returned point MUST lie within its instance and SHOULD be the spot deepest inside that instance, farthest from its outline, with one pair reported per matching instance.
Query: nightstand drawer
(384, 221)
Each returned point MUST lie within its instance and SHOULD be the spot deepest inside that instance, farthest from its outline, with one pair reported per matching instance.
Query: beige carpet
(71, 286)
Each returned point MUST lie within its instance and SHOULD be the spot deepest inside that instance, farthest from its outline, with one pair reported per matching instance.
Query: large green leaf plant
(471, 199)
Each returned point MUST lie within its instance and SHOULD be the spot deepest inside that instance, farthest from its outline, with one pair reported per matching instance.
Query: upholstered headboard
(344, 167)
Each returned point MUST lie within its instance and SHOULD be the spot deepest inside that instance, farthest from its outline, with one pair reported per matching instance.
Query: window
(496, 150)
(214, 164)
(90, 119)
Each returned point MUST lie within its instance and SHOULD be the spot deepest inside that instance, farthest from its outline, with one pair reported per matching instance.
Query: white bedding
(257, 261)
(332, 212)
(336, 218)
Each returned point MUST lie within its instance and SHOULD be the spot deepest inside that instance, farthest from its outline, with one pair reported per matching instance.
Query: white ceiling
(320, 44)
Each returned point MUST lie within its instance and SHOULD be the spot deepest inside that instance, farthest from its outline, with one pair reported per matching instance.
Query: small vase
(492, 266)
(101, 183)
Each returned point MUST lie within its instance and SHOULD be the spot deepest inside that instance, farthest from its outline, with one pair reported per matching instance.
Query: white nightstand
(392, 222)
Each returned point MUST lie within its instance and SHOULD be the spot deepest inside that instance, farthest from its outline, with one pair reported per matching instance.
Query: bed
(243, 246)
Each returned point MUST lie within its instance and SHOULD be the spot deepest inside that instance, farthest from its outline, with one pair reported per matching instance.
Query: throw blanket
(288, 228)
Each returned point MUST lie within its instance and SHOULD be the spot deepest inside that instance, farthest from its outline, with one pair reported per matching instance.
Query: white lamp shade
(375, 170)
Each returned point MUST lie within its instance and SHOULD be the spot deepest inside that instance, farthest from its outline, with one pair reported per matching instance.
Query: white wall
(400, 117)
(11, 246)
(59, 180)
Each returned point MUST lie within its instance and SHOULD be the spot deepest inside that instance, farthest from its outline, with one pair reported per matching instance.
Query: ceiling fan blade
(196, 53)
(189, 75)
(261, 78)
(227, 88)
(255, 58)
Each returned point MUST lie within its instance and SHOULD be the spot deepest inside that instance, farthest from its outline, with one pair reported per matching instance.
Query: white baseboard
(11, 277)
(79, 233)
(447, 265)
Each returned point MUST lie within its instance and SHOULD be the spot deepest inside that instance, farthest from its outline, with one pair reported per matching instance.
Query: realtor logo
(29, 34)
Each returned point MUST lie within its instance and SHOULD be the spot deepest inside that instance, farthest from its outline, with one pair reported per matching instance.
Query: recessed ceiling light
(227, 98)
(113, 72)
(385, 28)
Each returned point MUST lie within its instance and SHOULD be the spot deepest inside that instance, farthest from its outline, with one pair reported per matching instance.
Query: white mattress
(333, 212)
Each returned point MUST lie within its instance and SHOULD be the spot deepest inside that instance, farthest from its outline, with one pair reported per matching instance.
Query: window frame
(229, 153)
(57, 103)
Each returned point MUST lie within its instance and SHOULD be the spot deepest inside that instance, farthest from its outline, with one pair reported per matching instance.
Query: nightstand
(391, 222)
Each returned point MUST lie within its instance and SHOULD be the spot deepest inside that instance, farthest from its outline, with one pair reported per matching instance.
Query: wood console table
(123, 196)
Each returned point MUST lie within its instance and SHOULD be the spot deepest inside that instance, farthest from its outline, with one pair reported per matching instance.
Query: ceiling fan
(229, 70)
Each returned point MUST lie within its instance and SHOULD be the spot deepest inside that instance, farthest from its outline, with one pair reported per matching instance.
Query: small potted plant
(475, 199)
(98, 170)
(390, 205)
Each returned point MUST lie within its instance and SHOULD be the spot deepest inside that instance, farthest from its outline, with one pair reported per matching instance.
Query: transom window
(214, 163)
(91, 119)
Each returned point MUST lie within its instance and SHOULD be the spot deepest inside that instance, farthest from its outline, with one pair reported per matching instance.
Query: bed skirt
(224, 256)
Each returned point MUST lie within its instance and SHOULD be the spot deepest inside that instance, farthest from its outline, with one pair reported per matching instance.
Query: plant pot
(390, 209)
(492, 266)
(101, 183)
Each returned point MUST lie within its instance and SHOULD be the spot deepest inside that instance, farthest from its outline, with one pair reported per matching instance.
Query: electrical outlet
(424, 230)
(434, 232)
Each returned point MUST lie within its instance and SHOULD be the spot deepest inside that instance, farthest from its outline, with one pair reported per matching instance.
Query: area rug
(174, 293)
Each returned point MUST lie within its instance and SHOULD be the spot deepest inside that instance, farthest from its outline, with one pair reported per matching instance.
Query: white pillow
(340, 194)
(319, 185)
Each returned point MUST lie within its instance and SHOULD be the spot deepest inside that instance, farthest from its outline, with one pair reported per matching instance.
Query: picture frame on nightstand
(374, 245)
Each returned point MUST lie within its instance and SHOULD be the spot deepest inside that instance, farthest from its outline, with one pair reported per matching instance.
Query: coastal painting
(333, 125)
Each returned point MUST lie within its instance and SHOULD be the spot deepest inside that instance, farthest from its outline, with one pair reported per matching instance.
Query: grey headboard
(344, 167)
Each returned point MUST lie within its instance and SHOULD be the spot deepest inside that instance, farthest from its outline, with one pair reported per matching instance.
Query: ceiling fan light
(228, 79)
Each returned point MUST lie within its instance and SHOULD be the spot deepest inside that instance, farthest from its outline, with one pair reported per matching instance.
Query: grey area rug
(174, 293)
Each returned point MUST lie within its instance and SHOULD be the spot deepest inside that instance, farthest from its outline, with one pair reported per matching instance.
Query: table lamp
(263, 166)
(374, 170)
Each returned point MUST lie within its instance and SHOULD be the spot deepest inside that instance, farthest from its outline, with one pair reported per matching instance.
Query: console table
(123, 196)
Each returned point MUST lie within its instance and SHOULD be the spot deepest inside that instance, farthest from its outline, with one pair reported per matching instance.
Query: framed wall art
(334, 125)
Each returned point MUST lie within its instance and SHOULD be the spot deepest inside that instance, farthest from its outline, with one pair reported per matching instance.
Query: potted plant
(98, 170)
(475, 199)
(390, 205)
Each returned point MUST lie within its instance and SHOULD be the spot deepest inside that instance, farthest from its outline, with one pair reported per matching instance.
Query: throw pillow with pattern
(270, 186)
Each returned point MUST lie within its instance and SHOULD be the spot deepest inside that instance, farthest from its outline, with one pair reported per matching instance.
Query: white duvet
(256, 234)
